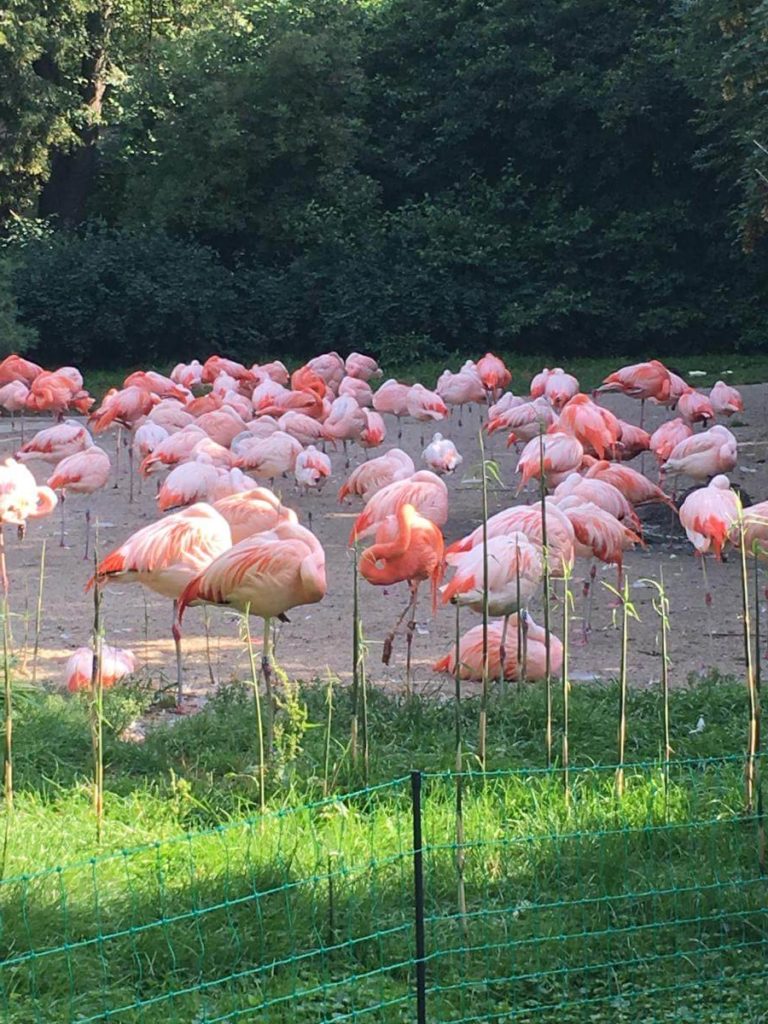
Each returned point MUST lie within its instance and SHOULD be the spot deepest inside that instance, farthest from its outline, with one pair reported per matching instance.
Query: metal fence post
(418, 894)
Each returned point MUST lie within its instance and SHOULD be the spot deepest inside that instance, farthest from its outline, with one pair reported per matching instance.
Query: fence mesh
(537, 908)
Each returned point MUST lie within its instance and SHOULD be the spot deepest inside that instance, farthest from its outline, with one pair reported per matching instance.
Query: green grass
(575, 913)
(746, 369)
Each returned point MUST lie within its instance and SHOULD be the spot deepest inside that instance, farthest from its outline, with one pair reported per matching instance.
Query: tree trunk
(65, 194)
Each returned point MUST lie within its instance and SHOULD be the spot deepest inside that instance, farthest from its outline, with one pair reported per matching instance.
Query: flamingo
(425, 491)
(268, 457)
(188, 375)
(222, 425)
(276, 371)
(13, 398)
(329, 367)
(51, 392)
(557, 453)
(362, 367)
(55, 443)
(460, 389)
(494, 374)
(695, 408)
(471, 653)
(708, 516)
(166, 555)
(525, 420)
(424, 405)
(375, 430)
(539, 383)
(407, 548)
(358, 389)
(264, 575)
(115, 663)
(254, 511)
(392, 398)
(669, 434)
(20, 499)
(528, 520)
(215, 365)
(312, 469)
(171, 415)
(82, 473)
(515, 567)
(602, 493)
(200, 480)
(643, 381)
(701, 456)
(597, 428)
(633, 441)
(304, 428)
(370, 477)
(560, 387)
(441, 455)
(124, 408)
(345, 422)
(725, 400)
(635, 487)
(14, 367)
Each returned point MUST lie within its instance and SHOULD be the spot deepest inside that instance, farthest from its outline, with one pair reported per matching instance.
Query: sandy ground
(318, 639)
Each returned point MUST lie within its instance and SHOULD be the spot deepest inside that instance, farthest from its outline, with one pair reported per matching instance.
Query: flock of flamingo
(217, 435)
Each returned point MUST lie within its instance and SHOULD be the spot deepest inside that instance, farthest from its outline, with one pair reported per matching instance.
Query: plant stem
(97, 705)
(328, 728)
(623, 688)
(482, 740)
(355, 657)
(566, 689)
(39, 612)
(547, 644)
(462, 895)
(664, 615)
(257, 708)
(753, 735)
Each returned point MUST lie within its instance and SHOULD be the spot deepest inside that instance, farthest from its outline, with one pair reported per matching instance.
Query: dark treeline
(409, 177)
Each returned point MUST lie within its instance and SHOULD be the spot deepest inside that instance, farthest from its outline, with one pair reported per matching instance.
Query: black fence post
(418, 894)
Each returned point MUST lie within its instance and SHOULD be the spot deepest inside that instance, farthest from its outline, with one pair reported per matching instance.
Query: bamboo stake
(328, 729)
(257, 708)
(753, 734)
(547, 645)
(355, 657)
(8, 694)
(462, 894)
(623, 688)
(482, 740)
(39, 612)
(566, 689)
(97, 705)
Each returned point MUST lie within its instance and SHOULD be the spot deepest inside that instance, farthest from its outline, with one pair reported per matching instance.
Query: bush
(117, 297)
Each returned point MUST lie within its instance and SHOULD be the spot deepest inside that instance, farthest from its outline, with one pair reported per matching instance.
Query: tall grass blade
(753, 733)
(483, 737)
(623, 688)
(547, 644)
(460, 858)
(39, 612)
(97, 702)
(257, 708)
(566, 685)
(354, 727)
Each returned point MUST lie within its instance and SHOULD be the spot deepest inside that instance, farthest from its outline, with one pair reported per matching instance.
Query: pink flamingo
(20, 499)
(425, 491)
(643, 381)
(268, 457)
(358, 389)
(494, 374)
(562, 454)
(14, 367)
(373, 476)
(254, 511)
(392, 398)
(525, 421)
(471, 653)
(441, 455)
(361, 367)
(560, 387)
(345, 422)
(265, 575)
(460, 389)
(164, 556)
(597, 428)
(695, 408)
(55, 443)
(188, 375)
(374, 433)
(701, 456)
(725, 400)
(13, 398)
(82, 473)
(115, 664)
(669, 434)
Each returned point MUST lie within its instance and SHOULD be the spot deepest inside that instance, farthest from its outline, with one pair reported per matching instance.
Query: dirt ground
(318, 639)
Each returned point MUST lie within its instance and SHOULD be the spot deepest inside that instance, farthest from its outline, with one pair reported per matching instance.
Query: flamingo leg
(118, 446)
(130, 474)
(176, 630)
(708, 604)
(409, 638)
(87, 531)
(62, 543)
(503, 652)
(390, 638)
(3, 570)
(266, 668)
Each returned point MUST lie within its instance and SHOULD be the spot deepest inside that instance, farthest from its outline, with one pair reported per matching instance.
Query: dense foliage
(415, 176)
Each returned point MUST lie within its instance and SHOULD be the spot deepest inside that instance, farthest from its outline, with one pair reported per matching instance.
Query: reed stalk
(460, 858)
(39, 611)
(257, 709)
(355, 724)
(483, 735)
(547, 644)
(753, 732)
(566, 687)
(97, 704)
(623, 688)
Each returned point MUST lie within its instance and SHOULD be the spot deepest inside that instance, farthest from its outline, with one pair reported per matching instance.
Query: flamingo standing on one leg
(708, 516)
(407, 548)
(20, 499)
(164, 557)
(265, 575)
(82, 473)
